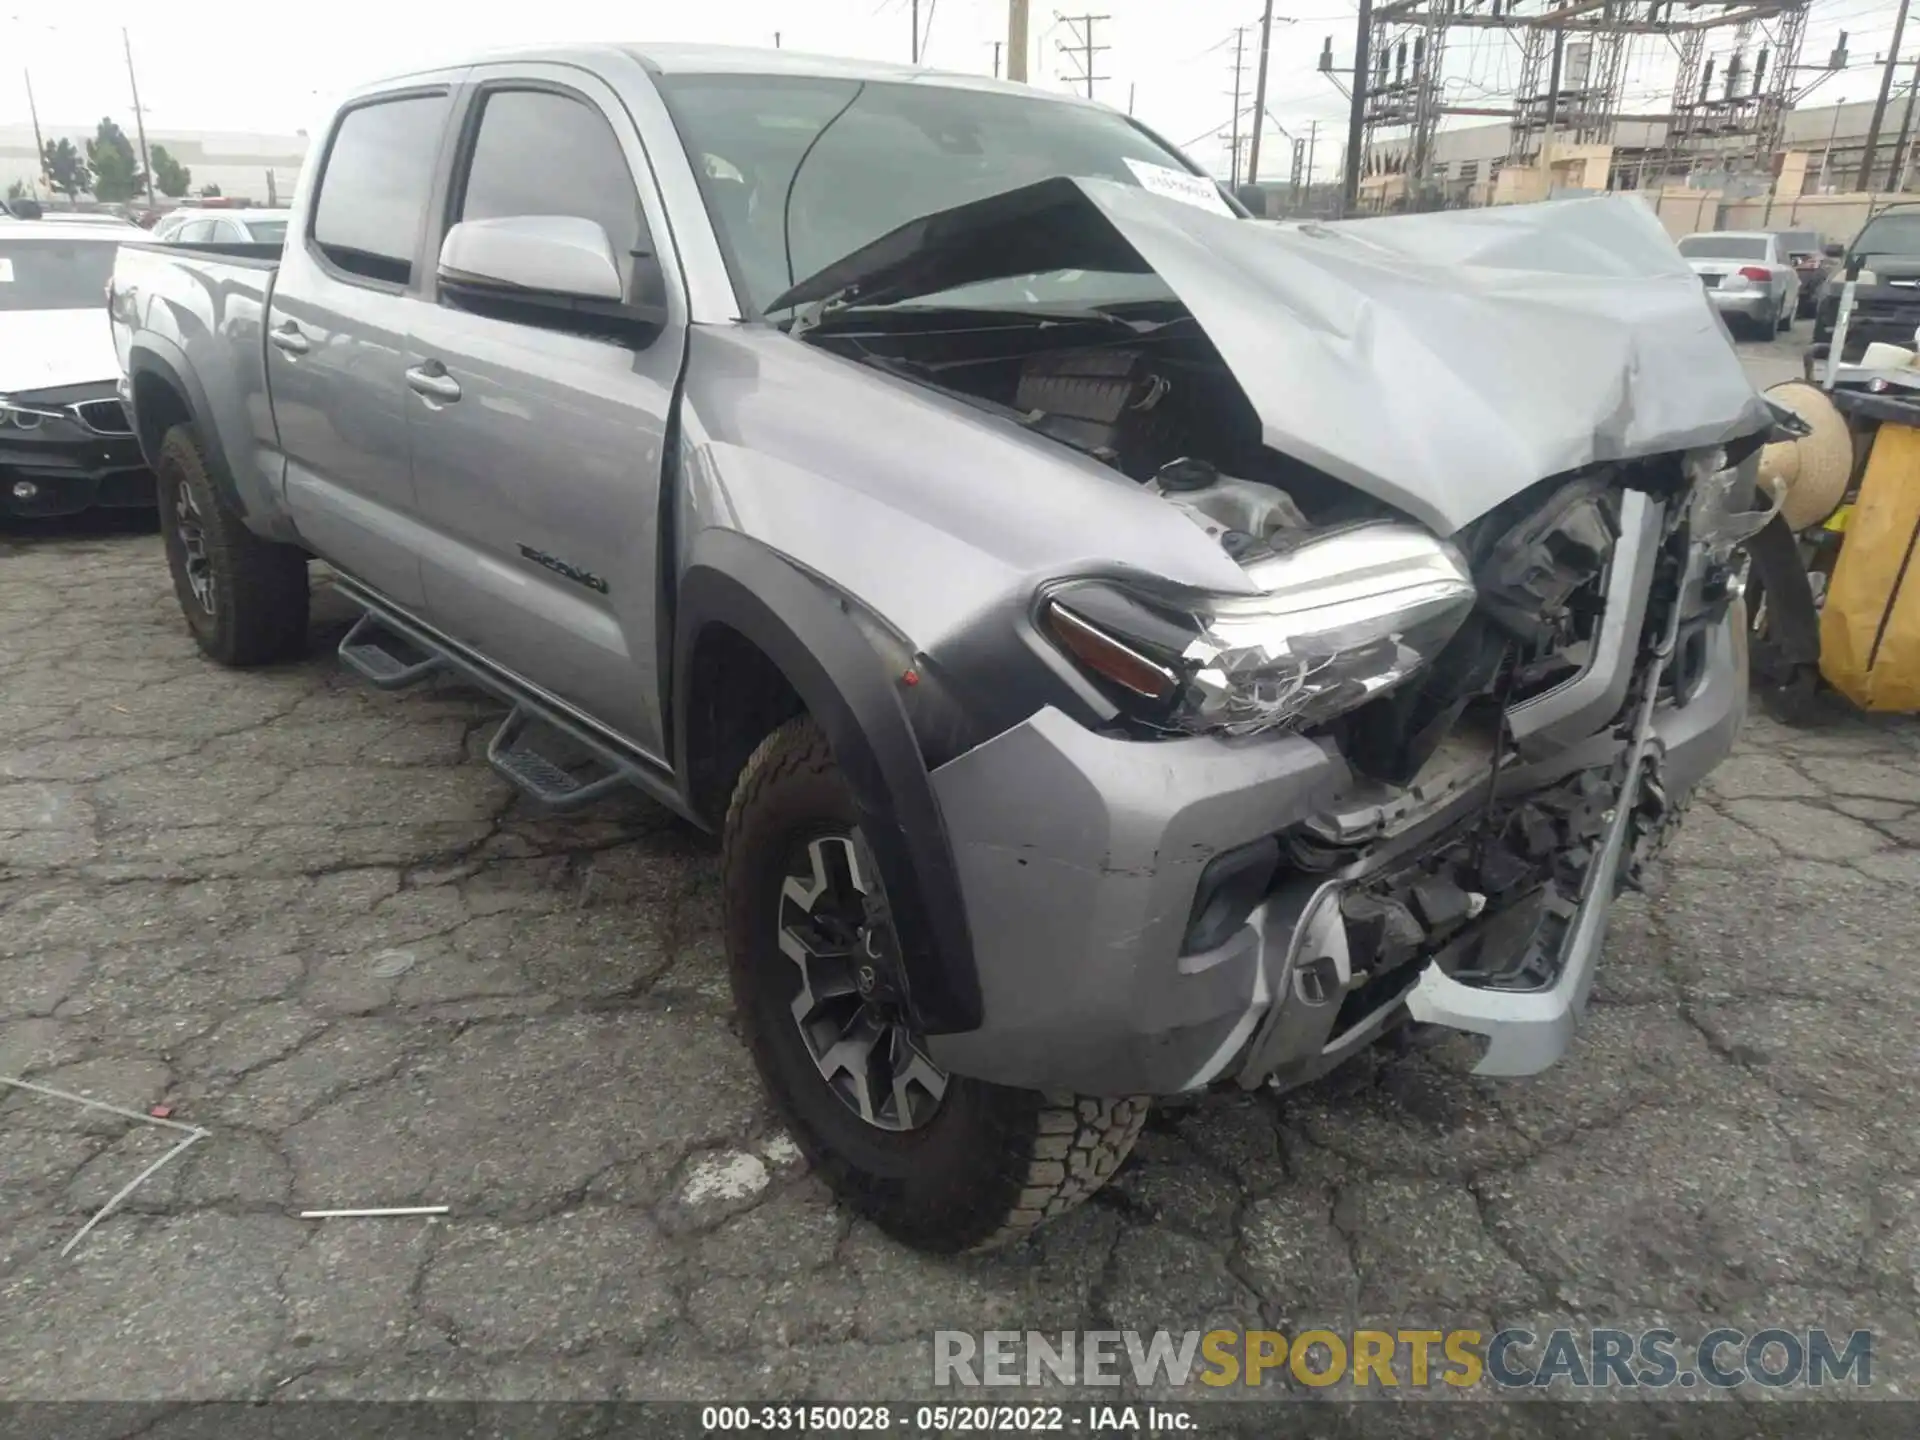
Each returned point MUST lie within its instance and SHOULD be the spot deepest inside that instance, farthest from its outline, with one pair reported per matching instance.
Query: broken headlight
(1338, 619)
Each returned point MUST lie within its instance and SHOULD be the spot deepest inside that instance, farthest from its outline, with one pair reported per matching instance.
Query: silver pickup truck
(1125, 649)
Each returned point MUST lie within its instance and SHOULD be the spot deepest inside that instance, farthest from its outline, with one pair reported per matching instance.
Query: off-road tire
(259, 588)
(994, 1161)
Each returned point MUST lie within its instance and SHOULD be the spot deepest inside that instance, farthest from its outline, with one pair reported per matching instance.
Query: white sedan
(1749, 276)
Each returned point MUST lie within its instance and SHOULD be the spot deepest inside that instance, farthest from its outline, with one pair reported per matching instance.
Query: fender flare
(809, 632)
(146, 358)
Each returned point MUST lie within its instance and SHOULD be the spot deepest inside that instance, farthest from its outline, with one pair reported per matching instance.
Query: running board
(384, 659)
(514, 754)
(391, 650)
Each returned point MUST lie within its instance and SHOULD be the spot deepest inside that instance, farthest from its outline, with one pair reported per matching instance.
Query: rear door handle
(432, 381)
(289, 339)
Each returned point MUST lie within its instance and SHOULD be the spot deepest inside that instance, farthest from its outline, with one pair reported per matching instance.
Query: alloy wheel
(193, 546)
(848, 1008)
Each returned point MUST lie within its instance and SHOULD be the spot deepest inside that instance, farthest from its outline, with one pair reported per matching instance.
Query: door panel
(540, 482)
(337, 341)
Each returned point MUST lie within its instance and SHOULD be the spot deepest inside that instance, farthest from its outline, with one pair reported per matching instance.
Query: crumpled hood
(46, 349)
(1441, 363)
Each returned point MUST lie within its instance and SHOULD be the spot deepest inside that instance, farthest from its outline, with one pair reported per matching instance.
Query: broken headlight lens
(1338, 619)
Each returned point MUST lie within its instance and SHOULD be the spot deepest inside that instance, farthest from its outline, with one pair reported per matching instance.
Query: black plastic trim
(811, 635)
(187, 386)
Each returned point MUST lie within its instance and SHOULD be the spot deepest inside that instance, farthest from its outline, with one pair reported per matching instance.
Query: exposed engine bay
(1148, 395)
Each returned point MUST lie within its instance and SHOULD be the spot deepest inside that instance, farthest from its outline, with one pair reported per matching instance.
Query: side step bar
(384, 659)
(391, 653)
(513, 754)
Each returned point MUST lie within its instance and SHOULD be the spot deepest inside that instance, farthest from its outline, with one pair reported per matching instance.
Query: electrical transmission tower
(1574, 57)
(1082, 49)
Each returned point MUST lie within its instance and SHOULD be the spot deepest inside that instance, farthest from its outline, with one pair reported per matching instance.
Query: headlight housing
(23, 415)
(1340, 617)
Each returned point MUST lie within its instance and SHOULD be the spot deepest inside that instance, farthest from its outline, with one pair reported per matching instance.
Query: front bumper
(1882, 314)
(78, 453)
(1079, 856)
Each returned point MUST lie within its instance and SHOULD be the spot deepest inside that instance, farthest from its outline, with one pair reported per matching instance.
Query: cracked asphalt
(306, 916)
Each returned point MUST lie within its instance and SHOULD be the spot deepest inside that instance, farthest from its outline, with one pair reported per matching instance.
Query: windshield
(871, 156)
(1890, 235)
(268, 232)
(1724, 247)
(54, 274)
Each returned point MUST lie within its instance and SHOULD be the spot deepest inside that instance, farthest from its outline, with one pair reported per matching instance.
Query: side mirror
(533, 257)
(1834, 251)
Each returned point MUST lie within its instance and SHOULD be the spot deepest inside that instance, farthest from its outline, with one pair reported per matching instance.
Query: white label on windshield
(1179, 185)
(6, 271)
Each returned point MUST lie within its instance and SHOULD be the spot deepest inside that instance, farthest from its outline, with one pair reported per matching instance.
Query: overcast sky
(222, 65)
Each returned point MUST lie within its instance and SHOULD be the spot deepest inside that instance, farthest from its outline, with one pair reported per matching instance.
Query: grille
(102, 417)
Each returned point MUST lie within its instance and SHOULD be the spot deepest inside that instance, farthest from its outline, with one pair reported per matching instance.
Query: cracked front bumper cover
(1078, 905)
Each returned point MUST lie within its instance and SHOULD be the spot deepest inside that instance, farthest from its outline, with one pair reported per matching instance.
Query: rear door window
(374, 187)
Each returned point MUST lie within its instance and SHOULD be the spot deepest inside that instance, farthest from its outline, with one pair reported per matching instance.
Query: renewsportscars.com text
(1597, 1358)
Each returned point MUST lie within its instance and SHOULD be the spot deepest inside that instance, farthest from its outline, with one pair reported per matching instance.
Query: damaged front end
(1206, 909)
(1402, 769)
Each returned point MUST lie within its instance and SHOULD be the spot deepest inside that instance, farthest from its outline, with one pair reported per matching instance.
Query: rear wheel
(943, 1162)
(245, 599)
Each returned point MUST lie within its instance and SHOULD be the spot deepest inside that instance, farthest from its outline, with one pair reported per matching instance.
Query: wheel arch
(166, 391)
(165, 394)
(747, 617)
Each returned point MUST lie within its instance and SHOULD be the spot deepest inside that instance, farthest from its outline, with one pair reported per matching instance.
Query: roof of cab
(744, 60)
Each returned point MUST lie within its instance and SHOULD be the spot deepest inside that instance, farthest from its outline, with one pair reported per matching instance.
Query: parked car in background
(1886, 300)
(1748, 277)
(224, 227)
(65, 442)
(1812, 260)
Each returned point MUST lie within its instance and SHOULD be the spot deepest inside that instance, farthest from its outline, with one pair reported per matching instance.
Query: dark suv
(1886, 304)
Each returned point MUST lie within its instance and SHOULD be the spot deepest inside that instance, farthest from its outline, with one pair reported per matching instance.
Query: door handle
(289, 339)
(432, 381)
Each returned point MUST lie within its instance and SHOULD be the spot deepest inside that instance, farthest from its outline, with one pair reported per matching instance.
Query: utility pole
(1553, 106)
(1313, 133)
(39, 145)
(1017, 40)
(916, 31)
(1906, 128)
(1867, 155)
(776, 39)
(1260, 94)
(1239, 45)
(996, 58)
(1357, 113)
(1082, 48)
(1131, 87)
(140, 120)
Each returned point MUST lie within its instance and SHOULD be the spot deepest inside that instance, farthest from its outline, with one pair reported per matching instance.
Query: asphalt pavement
(305, 916)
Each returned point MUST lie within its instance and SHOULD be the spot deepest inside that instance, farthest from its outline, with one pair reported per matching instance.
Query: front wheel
(942, 1162)
(245, 599)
